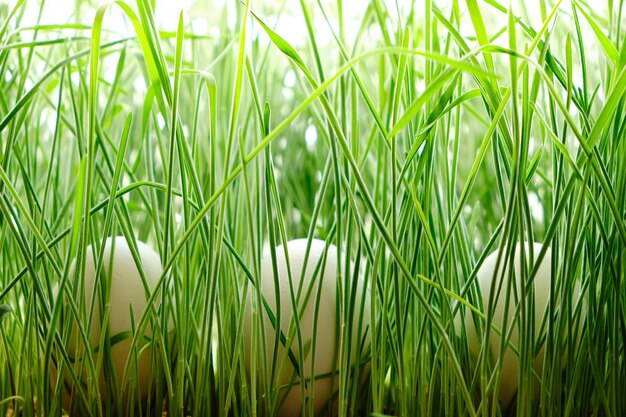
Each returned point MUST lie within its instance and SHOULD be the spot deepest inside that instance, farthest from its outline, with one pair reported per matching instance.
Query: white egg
(326, 347)
(509, 375)
(127, 293)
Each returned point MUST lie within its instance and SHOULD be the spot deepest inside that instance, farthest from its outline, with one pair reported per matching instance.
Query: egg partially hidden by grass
(126, 293)
(510, 367)
(318, 291)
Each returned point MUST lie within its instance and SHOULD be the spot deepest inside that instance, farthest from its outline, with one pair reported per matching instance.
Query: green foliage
(417, 137)
(5, 310)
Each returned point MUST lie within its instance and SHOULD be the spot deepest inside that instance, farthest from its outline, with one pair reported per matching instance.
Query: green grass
(445, 131)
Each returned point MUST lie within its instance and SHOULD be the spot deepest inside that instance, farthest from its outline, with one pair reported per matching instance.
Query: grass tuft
(416, 137)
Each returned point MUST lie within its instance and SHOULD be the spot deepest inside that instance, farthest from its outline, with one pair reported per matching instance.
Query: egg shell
(126, 292)
(327, 345)
(510, 369)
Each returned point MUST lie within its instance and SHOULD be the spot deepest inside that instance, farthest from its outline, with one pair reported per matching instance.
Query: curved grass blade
(5, 310)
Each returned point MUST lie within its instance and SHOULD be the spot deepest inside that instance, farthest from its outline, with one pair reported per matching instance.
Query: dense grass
(418, 140)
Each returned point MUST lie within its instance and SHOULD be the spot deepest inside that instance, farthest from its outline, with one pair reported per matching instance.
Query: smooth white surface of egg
(509, 375)
(326, 347)
(127, 292)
